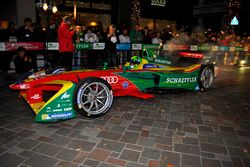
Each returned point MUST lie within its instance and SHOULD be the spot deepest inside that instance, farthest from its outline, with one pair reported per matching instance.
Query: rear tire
(206, 78)
(93, 97)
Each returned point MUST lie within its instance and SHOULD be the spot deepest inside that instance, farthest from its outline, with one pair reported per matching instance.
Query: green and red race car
(90, 92)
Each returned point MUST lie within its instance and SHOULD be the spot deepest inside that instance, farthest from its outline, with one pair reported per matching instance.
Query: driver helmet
(135, 60)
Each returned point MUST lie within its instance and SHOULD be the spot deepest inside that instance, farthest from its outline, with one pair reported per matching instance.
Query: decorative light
(93, 23)
(233, 7)
(54, 9)
(136, 10)
(45, 6)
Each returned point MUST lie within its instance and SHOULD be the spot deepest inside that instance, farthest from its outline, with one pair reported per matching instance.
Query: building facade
(154, 13)
(213, 14)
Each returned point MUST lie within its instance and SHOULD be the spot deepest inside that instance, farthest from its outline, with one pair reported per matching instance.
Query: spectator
(39, 35)
(145, 31)
(66, 46)
(157, 39)
(167, 35)
(111, 40)
(124, 38)
(148, 38)
(136, 35)
(79, 35)
(10, 35)
(11, 32)
(100, 36)
(26, 31)
(23, 63)
(26, 34)
(90, 37)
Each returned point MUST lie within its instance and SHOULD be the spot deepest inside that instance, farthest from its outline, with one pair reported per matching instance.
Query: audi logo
(110, 79)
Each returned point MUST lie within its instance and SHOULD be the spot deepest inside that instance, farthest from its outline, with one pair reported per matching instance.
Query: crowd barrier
(12, 46)
(223, 52)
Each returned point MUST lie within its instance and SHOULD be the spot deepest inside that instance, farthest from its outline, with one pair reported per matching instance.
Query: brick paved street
(192, 129)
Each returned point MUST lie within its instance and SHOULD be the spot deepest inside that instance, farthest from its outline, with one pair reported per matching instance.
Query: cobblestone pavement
(192, 129)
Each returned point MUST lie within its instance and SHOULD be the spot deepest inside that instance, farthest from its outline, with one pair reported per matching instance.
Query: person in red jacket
(66, 46)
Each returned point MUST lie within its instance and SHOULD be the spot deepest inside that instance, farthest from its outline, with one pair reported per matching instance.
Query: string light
(233, 7)
(136, 11)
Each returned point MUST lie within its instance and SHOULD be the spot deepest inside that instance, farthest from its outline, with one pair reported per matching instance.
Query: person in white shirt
(90, 37)
(157, 39)
(124, 38)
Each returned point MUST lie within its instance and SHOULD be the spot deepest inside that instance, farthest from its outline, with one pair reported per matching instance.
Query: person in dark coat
(112, 39)
(26, 31)
(23, 63)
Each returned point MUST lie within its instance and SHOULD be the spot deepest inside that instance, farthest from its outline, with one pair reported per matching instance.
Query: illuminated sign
(158, 3)
(234, 21)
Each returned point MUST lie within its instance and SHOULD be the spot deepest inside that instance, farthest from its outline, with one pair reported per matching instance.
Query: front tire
(206, 78)
(93, 97)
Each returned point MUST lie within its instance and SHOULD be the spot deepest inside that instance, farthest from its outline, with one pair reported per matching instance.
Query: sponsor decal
(181, 80)
(150, 66)
(110, 79)
(65, 96)
(57, 110)
(125, 85)
(36, 96)
(67, 109)
(24, 86)
(162, 61)
(56, 116)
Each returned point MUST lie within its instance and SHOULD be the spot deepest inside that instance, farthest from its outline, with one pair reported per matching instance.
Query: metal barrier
(227, 54)
(9, 46)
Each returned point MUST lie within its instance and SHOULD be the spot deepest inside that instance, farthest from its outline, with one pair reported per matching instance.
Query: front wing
(58, 107)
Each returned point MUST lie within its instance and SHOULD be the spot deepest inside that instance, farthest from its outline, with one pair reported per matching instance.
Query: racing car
(91, 92)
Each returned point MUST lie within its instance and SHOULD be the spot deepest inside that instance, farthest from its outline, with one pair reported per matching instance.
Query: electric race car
(90, 92)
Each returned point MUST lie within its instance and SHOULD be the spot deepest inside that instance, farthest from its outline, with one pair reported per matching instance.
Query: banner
(171, 47)
(98, 46)
(52, 46)
(10, 46)
(237, 48)
(2, 46)
(193, 47)
(150, 46)
(136, 46)
(84, 46)
(123, 46)
(223, 48)
(204, 48)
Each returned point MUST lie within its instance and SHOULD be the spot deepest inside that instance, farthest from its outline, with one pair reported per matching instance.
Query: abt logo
(65, 96)
(110, 79)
